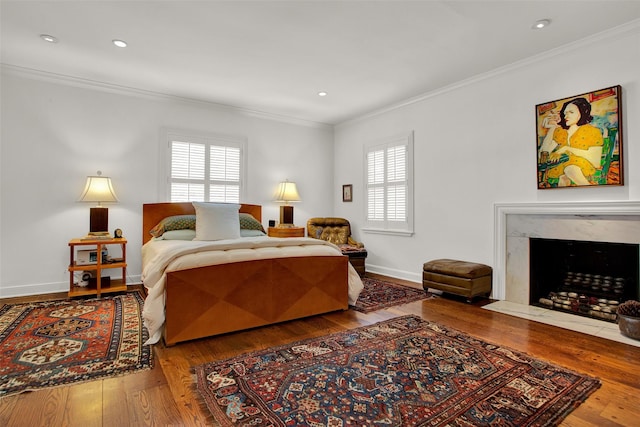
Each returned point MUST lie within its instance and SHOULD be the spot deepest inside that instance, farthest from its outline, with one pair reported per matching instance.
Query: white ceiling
(275, 56)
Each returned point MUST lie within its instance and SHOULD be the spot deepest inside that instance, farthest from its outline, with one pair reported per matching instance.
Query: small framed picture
(347, 193)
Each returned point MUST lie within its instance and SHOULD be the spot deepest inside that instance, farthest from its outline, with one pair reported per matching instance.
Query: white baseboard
(33, 289)
(398, 274)
(47, 288)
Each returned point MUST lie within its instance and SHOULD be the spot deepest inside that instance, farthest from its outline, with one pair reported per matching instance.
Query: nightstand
(285, 231)
(95, 264)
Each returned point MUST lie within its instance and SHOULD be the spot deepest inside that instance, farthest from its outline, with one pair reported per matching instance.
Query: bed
(197, 289)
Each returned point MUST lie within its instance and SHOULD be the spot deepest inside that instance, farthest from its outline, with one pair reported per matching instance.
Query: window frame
(386, 226)
(208, 139)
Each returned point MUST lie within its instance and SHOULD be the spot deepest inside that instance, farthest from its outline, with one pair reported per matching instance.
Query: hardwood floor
(165, 394)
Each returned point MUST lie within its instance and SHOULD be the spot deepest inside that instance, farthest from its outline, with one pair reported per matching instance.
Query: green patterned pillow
(177, 222)
(188, 222)
(248, 222)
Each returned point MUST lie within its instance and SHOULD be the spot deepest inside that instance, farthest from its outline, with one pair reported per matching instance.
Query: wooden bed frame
(217, 299)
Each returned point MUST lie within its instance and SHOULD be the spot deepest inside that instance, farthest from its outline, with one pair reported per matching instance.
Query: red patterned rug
(379, 294)
(54, 343)
(401, 372)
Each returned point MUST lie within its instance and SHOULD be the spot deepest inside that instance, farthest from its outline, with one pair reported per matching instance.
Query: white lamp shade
(98, 189)
(287, 192)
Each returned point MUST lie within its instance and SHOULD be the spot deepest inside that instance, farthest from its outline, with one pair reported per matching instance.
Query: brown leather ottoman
(462, 278)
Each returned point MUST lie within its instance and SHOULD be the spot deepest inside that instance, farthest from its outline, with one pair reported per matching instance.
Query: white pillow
(178, 235)
(217, 221)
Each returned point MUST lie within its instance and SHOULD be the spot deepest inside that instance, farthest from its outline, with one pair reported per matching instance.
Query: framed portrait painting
(347, 193)
(579, 140)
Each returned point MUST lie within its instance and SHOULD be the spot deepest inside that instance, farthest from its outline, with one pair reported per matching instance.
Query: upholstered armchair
(338, 232)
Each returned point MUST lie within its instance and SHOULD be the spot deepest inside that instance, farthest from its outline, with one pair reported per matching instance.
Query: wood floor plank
(40, 408)
(620, 404)
(154, 406)
(7, 407)
(179, 372)
(115, 410)
(83, 407)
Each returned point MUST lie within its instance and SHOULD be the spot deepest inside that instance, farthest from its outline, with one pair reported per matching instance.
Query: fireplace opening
(582, 277)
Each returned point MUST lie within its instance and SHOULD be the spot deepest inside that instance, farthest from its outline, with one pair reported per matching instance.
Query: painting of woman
(572, 151)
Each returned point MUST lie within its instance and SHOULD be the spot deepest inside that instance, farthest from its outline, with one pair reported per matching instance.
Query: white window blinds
(205, 169)
(389, 185)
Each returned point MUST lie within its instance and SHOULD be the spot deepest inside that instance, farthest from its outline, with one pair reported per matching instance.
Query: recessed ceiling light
(48, 38)
(322, 94)
(119, 43)
(541, 23)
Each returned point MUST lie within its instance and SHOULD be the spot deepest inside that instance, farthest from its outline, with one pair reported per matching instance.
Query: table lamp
(286, 192)
(98, 189)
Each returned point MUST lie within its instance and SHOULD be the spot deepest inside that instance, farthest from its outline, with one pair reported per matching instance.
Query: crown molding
(617, 32)
(47, 76)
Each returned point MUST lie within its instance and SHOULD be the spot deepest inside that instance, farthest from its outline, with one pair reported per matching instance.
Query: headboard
(153, 213)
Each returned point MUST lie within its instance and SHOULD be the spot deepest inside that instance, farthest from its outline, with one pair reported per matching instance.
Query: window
(389, 186)
(205, 168)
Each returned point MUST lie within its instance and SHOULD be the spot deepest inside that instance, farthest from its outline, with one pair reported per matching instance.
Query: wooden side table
(116, 285)
(285, 232)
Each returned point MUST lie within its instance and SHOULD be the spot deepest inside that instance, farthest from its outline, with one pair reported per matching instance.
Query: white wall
(475, 145)
(56, 132)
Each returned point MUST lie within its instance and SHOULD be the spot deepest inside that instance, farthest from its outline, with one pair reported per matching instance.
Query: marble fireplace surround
(515, 223)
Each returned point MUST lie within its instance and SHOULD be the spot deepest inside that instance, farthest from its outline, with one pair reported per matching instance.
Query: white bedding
(162, 256)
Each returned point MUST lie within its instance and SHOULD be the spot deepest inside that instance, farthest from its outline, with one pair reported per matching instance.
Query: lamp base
(99, 221)
(286, 215)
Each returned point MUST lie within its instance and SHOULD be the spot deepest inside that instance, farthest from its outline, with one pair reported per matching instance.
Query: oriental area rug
(379, 294)
(55, 343)
(400, 372)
